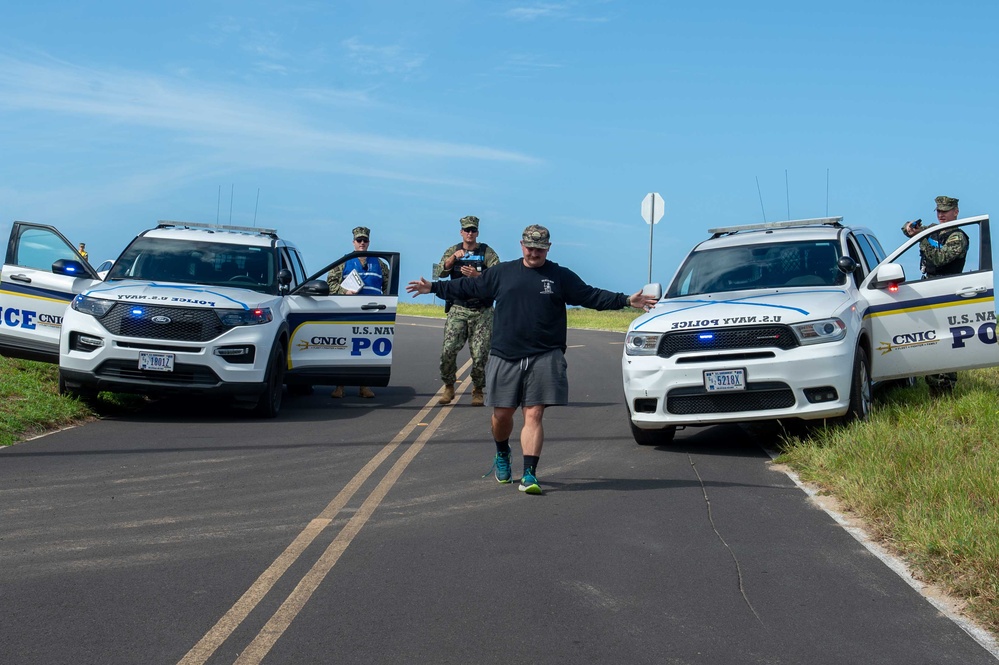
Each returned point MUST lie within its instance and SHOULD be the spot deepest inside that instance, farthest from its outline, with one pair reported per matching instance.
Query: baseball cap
(536, 236)
(362, 232)
(945, 203)
(469, 221)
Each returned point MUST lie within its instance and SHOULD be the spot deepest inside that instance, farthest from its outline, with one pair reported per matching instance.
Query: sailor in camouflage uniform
(470, 320)
(941, 253)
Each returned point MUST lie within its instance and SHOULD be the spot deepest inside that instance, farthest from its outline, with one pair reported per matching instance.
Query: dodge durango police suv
(799, 320)
(192, 309)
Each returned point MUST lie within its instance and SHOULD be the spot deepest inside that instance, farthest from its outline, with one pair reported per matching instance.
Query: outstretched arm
(419, 287)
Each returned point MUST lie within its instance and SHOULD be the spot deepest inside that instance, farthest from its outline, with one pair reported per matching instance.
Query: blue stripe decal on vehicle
(950, 300)
(35, 292)
(180, 287)
(697, 304)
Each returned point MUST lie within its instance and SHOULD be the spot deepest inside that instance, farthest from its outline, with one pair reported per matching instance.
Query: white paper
(351, 281)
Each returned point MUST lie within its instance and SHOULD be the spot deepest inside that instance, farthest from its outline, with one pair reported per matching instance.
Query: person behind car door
(369, 272)
(468, 319)
(941, 253)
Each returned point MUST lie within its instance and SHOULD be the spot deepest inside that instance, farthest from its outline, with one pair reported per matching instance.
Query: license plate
(725, 379)
(156, 362)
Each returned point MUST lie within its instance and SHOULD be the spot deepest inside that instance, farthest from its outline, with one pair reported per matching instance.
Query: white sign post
(653, 208)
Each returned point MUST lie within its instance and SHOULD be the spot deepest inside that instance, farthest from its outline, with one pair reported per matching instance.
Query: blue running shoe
(502, 466)
(529, 483)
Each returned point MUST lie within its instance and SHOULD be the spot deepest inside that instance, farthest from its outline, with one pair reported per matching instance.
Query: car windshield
(193, 262)
(769, 266)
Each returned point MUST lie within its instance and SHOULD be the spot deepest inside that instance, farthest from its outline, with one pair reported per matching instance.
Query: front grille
(750, 337)
(186, 324)
(193, 376)
(756, 397)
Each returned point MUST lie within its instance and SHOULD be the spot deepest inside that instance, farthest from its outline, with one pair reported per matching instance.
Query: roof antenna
(787, 195)
(218, 205)
(827, 191)
(231, 191)
(761, 198)
(255, 207)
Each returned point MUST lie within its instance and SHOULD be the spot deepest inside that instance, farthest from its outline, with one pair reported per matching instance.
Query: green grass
(920, 473)
(30, 403)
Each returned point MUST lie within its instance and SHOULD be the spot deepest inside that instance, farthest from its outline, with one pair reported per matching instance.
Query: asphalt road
(362, 531)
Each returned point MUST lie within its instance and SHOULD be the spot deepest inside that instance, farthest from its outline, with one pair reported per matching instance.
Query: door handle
(373, 305)
(21, 278)
(969, 291)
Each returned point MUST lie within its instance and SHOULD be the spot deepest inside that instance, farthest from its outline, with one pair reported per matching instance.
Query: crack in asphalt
(735, 559)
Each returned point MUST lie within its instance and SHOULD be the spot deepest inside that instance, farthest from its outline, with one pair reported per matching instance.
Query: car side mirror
(70, 267)
(847, 265)
(317, 287)
(890, 275)
(654, 289)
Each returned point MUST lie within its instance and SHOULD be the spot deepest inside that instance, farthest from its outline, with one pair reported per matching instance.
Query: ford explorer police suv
(799, 320)
(192, 309)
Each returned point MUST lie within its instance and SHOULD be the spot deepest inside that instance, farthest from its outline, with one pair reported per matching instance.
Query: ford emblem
(160, 319)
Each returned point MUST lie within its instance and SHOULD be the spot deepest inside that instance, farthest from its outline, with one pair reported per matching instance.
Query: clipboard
(352, 282)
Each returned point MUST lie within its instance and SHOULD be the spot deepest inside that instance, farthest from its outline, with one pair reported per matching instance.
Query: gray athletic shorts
(527, 382)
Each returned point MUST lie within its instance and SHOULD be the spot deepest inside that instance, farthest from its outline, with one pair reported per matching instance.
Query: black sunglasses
(471, 229)
(360, 239)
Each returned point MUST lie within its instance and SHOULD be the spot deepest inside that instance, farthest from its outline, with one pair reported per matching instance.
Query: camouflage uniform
(943, 253)
(473, 324)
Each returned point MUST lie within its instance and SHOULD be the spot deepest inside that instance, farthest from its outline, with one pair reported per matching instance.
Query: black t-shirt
(530, 304)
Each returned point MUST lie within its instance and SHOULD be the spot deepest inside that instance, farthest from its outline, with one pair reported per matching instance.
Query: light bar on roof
(831, 221)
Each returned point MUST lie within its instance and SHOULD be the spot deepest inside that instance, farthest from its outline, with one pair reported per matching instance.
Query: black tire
(269, 404)
(861, 390)
(652, 437)
(81, 394)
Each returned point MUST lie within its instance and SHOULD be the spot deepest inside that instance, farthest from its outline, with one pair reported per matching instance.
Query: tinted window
(776, 265)
(871, 255)
(193, 262)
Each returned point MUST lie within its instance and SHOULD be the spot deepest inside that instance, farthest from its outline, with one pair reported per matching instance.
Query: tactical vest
(371, 276)
(477, 261)
(954, 267)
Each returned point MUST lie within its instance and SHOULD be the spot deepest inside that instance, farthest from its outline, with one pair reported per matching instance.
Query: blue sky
(315, 117)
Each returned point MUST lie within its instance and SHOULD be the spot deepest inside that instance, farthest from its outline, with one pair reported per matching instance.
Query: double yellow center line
(289, 609)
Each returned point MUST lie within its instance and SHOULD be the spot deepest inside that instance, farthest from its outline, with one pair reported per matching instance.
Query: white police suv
(799, 320)
(192, 309)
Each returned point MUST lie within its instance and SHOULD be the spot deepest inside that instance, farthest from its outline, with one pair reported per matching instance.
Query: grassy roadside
(920, 473)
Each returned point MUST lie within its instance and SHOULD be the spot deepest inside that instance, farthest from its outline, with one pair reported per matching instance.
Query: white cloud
(213, 115)
(534, 12)
(381, 59)
(570, 11)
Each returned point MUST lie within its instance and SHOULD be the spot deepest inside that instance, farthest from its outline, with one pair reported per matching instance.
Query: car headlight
(245, 317)
(641, 344)
(818, 332)
(96, 307)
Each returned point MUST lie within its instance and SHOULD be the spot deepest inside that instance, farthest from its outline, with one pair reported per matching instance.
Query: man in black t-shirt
(527, 366)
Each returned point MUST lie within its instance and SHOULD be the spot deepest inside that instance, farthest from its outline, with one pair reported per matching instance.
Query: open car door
(941, 323)
(42, 273)
(343, 339)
